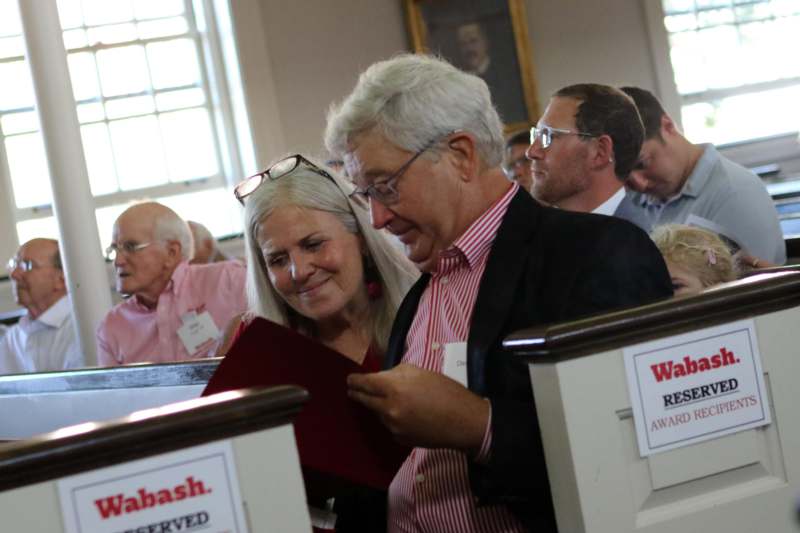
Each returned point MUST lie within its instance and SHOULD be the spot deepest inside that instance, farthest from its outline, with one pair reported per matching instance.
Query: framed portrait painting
(488, 38)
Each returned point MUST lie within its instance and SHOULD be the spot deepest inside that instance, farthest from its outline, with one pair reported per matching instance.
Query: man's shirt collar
(475, 242)
(53, 317)
(609, 207)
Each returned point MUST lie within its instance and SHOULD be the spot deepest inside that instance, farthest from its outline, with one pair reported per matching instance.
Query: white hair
(200, 232)
(307, 189)
(168, 226)
(413, 100)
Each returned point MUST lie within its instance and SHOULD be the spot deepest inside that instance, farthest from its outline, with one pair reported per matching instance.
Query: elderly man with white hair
(206, 247)
(44, 339)
(174, 310)
(423, 144)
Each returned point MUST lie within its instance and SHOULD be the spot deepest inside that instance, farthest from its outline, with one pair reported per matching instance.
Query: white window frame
(667, 90)
(230, 146)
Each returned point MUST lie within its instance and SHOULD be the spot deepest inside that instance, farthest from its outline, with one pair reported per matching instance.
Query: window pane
(75, 39)
(148, 9)
(46, 228)
(173, 63)
(720, 47)
(785, 35)
(123, 70)
(163, 28)
(70, 14)
(756, 57)
(678, 6)
(98, 12)
(25, 122)
(12, 47)
(138, 152)
(20, 93)
(28, 166)
(743, 117)
(83, 74)
(9, 18)
(714, 17)
(678, 23)
(179, 99)
(189, 143)
(118, 33)
(741, 43)
(91, 112)
(712, 3)
(128, 107)
(688, 64)
(99, 159)
(785, 7)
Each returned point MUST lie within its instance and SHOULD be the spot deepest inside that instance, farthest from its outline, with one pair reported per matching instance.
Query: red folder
(337, 438)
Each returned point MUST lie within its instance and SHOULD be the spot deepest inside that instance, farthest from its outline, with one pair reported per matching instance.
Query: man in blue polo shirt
(679, 182)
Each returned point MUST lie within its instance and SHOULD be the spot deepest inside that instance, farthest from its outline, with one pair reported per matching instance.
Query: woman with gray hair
(315, 263)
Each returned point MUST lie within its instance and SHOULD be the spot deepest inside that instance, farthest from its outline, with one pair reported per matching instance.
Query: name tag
(198, 332)
(455, 362)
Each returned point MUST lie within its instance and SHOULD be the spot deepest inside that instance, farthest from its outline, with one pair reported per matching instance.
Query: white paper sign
(697, 386)
(198, 332)
(190, 490)
(454, 365)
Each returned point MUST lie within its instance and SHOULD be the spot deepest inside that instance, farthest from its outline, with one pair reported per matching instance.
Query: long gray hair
(305, 188)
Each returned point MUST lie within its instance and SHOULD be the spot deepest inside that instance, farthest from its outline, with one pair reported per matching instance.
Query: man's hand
(751, 261)
(423, 408)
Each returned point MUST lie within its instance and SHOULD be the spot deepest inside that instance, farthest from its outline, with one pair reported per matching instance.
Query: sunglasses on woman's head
(276, 171)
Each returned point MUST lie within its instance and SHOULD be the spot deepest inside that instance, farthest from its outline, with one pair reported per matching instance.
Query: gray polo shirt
(732, 198)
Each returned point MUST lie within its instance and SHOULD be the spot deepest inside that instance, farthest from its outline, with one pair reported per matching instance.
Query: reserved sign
(189, 490)
(697, 386)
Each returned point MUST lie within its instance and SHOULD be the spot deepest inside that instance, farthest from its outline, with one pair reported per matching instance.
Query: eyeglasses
(26, 265)
(127, 248)
(512, 166)
(278, 170)
(385, 191)
(548, 134)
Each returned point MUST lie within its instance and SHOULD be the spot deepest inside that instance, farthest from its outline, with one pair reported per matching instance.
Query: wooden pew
(47, 482)
(747, 481)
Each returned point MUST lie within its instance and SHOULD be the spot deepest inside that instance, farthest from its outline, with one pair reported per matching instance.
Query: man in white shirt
(584, 147)
(44, 339)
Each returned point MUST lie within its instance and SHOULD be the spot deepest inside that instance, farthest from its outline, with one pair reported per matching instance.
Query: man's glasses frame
(547, 135)
(276, 171)
(26, 265)
(127, 248)
(385, 191)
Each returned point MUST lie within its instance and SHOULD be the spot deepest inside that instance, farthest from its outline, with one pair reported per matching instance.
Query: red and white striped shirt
(431, 491)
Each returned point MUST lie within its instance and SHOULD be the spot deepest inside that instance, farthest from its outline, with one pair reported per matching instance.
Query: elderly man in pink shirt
(175, 310)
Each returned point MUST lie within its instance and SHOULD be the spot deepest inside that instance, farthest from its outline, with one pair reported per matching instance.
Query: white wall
(314, 50)
(299, 57)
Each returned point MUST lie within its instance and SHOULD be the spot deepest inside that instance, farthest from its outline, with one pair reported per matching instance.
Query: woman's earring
(372, 278)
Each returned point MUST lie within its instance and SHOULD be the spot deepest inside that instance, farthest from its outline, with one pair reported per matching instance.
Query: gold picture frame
(488, 38)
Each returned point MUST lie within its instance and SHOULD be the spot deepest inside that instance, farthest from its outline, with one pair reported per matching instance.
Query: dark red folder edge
(339, 441)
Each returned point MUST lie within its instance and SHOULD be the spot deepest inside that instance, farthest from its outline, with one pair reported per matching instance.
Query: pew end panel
(256, 423)
(743, 482)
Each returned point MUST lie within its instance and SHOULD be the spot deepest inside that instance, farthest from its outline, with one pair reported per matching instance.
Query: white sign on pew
(188, 490)
(696, 386)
